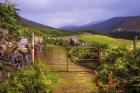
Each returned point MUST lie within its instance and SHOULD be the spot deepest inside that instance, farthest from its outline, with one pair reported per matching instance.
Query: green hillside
(57, 33)
(50, 31)
(105, 40)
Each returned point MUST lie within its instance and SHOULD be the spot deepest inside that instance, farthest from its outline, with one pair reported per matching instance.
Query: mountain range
(131, 23)
(119, 27)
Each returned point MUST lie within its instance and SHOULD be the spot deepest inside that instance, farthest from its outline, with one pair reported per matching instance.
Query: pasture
(106, 40)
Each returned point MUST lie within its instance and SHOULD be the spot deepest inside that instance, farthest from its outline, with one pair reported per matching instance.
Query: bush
(124, 66)
(77, 55)
(31, 80)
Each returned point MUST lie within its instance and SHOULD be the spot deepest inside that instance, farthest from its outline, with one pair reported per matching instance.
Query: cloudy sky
(59, 13)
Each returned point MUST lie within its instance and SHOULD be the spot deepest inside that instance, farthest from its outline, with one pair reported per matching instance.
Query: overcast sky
(59, 13)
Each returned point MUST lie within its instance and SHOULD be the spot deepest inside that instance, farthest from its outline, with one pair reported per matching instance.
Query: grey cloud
(75, 12)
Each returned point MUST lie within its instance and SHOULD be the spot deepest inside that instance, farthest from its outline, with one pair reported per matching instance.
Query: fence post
(67, 60)
(33, 42)
(135, 42)
(98, 53)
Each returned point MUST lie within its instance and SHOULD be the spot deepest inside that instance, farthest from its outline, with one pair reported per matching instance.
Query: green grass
(53, 76)
(105, 40)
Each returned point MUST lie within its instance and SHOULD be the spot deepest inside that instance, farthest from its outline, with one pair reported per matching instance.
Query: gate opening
(61, 59)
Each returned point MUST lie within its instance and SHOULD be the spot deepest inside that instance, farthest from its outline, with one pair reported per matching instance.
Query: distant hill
(70, 27)
(46, 29)
(30, 23)
(132, 23)
(127, 23)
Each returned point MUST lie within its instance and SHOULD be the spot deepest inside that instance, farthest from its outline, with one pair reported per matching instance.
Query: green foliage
(77, 55)
(34, 79)
(9, 18)
(125, 65)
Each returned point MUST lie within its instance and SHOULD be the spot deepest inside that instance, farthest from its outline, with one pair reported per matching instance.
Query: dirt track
(70, 82)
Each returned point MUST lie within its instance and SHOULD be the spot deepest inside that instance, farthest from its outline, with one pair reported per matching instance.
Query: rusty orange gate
(64, 59)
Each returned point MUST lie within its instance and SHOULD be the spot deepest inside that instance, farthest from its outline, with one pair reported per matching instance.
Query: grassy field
(105, 40)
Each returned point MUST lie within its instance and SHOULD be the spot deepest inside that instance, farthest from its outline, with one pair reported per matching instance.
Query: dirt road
(70, 82)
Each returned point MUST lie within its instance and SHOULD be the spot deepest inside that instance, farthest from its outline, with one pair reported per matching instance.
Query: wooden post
(33, 42)
(67, 60)
(135, 42)
(98, 53)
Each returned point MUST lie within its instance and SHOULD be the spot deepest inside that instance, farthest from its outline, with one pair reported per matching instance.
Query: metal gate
(59, 59)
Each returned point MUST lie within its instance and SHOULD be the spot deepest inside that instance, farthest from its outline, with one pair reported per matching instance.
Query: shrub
(124, 66)
(31, 80)
(81, 56)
